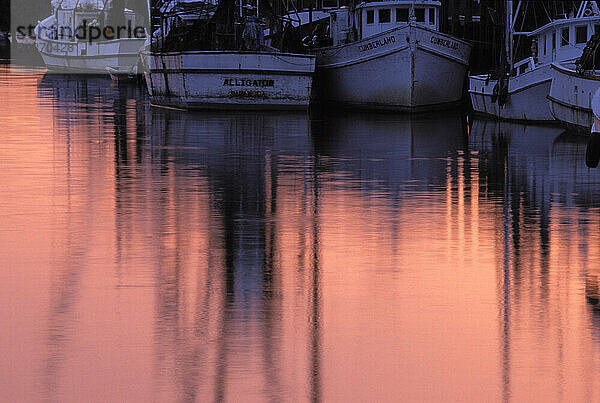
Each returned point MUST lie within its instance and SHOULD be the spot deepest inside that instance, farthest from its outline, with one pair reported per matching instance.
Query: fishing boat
(573, 88)
(571, 95)
(519, 91)
(229, 79)
(222, 61)
(86, 36)
(390, 55)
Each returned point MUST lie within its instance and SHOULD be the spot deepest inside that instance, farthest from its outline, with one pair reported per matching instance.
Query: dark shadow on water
(242, 157)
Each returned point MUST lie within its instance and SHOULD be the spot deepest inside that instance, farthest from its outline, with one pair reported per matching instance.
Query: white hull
(408, 68)
(526, 99)
(571, 96)
(90, 57)
(229, 79)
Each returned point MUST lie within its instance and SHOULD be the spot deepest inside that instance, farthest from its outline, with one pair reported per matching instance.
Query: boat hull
(526, 99)
(571, 97)
(229, 79)
(86, 57)
(409, 68)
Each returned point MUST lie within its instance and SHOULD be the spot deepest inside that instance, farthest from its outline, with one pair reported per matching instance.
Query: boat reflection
(549, 198)
(389, 152)
(263, 256)
(236, 168)
(270, 256)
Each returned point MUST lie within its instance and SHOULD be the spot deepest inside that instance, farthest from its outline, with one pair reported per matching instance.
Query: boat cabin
(561, 40)
(74, 18)
(381, 16)
(372, 18)
(564, 39)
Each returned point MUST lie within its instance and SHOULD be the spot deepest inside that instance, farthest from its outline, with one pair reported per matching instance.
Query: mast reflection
(544, 171)
(79, 121)
(244, 161)
(270, 247)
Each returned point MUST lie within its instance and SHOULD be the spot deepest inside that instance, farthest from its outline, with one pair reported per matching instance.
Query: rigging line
(522, 24)
(547, 14)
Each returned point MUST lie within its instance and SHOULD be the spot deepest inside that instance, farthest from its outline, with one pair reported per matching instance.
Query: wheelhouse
(563, 39)
(70, 16)
(376, 17)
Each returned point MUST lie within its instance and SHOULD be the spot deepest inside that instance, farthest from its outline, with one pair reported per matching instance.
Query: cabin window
(553, 41)
(545, 44)
(581, 34)
(432, 16)
(564, 37)
(370, 16)
(402, 15)
(384, 15)
(420, 14)
(522, 68)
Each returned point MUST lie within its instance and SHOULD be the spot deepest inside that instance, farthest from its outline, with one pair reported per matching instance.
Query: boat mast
(581, 11)
(509, 34)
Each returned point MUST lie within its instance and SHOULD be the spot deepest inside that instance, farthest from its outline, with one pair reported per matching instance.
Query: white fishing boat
(391, 55)
(522, 94)
(226, 69)
(87, 36)
(229, 79)
(571, 95)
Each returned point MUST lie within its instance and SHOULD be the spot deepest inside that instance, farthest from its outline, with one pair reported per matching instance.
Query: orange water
(154, 255)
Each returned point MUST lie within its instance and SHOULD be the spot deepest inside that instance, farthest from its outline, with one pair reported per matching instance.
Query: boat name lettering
(444, 42)
(240, 82)
(376, 44)
(248, 94)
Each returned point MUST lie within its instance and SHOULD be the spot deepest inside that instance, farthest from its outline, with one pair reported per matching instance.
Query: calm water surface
(156, 255)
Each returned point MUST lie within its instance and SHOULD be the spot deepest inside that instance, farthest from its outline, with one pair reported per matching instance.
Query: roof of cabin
(389, 3)
(562, 22)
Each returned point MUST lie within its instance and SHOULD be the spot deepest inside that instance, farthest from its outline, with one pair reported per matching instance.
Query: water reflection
(240, 166)
(549, 206)
(269, 256)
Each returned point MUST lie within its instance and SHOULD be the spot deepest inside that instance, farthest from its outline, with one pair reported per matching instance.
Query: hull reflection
(239, 167)
(546, 161)
(389, 152)
(151, 254)
(549, 200)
